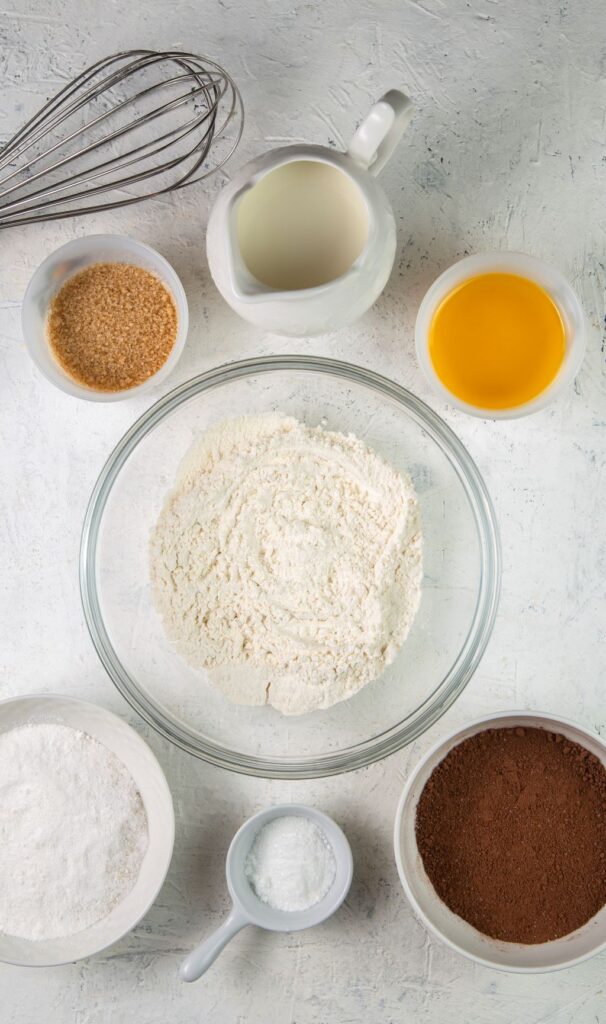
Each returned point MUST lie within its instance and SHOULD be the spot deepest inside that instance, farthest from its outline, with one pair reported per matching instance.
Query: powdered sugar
(287, 562)
(73, 831)
(290, 865)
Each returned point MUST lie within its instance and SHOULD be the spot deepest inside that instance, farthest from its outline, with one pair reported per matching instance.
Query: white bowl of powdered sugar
(86, 829)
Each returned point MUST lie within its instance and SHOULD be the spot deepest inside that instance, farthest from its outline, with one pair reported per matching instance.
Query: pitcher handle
(380, 132)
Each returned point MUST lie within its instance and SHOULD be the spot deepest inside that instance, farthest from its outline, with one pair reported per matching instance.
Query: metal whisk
(134, 125)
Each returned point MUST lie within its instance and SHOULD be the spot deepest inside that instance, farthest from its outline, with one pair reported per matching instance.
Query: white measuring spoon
(249, 909)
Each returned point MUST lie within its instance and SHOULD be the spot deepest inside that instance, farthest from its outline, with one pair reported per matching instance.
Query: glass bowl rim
(444, 693)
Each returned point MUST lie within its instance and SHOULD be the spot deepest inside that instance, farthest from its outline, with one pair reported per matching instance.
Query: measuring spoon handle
(201, 958)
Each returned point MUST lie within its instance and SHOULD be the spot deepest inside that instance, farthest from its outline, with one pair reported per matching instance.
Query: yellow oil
(497, 341)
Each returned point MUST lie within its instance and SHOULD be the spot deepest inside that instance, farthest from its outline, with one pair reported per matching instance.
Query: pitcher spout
(245, 285)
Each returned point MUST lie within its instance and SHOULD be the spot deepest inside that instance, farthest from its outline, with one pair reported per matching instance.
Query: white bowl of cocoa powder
(500, 842)
(105, 318)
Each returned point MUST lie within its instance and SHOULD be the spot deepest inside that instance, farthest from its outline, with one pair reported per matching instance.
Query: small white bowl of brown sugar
(105, 318)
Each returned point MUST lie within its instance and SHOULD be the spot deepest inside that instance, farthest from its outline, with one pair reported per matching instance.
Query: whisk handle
(380, 132)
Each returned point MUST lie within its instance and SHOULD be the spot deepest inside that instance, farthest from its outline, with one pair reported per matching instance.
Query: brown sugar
(111, 326)
(511, 828)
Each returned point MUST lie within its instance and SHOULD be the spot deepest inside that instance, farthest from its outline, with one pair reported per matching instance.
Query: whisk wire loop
(170, 158)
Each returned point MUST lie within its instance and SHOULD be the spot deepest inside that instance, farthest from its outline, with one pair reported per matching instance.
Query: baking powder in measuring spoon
(290, 865)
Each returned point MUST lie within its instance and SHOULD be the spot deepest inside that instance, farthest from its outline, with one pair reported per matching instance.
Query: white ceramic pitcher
(303, 239)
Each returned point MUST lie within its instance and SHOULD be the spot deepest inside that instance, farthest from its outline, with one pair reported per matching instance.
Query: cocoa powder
(511, 828)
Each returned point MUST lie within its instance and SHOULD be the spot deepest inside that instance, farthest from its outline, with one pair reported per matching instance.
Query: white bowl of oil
(508, 348)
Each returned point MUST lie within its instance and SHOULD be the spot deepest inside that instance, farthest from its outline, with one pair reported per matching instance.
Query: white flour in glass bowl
(287, 562)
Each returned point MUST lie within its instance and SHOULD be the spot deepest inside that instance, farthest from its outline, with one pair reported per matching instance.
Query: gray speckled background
(506, 150)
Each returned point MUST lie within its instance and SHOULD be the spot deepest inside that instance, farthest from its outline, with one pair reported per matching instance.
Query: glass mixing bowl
(460, 585)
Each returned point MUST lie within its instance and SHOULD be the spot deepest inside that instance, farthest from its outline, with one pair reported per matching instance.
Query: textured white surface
(506, 150)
